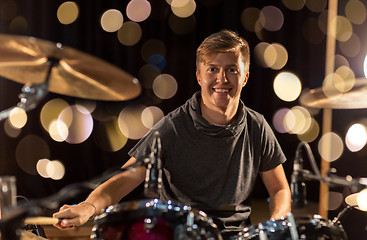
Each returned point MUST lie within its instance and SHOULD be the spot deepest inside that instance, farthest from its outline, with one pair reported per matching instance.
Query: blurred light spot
(67, 12)
(346, 81)
(129, 34)
(152, 47)
(165, 86)
(330, 146)
(182, 26)
(289, 120)
(328, 85)
(281, 56)
(151, 115)
(80, 124)
(10, 130)
(8, 10)
(58, 131)
(18, 25)
(351, 47)
(55, 170)
(18, 117)
(302, 120)
(316, 5)
(322, 21)
(85, 105)
(249, 17)
(177, 3)
(147, 74)
(340, 60)
(365, 66)
(279, 120)
(185, 10)
(362, 200)
(112, 20)
(130, 123)
(51, 111)
(271, 18)
(138, 10)
(335, 200)
(311, 31)
(287, 86)
(41, 167)
(294, 5)
(29, 150)
(108, 135)
(157, 60)
(312, 132)
(259, 52)
(356, 137)
(355, 11)
(344, 28)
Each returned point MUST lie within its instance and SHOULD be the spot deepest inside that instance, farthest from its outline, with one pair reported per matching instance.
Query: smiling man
(213, 148)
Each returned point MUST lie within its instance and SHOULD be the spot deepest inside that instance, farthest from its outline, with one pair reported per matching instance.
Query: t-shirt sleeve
(272, 153)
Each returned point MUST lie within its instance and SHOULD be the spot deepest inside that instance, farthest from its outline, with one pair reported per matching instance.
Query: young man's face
(221, 79)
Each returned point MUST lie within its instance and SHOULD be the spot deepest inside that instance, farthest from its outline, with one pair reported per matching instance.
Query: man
(213, 148)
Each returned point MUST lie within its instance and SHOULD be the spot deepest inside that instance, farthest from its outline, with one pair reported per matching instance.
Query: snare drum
(314, 228)
(153, 220)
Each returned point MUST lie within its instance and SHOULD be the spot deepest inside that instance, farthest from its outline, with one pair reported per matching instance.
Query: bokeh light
(58, 131)
(362, 200)
(281, 56)
(151, 115)
(55, 170)
(294, 5)
(351, 47)
(51, 111)
(355, 11)
(18, 25)
(130, 122)
(165, 86)
(287, 86)
(67, 12)
(311, 133)
(18, 117)
(356, 137)
(147, 74)
(112, 20)
(340, 60)
(346, 80)
(79, 123)
(184, 10)
(108, 135)
(29, 150)
(85, 105)
(41, 167)
(335, 200)
(279, 120)
(249, 17)
(10, 130)
(129, 34)
(138, 10)
(316, 5)
(271, 18)
(344, 28)
(301, 118)
(330, 146)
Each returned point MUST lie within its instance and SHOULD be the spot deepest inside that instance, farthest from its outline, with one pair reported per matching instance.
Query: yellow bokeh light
(311, 134)
(362, 200)
(112, 20)
(108, 135)
(259, 52)
(58, 131)
(165, 86)
(55, 170)
(138, 10)
(355, 11)
(281, 56)
(130, 123)
(42, 168)
(316, 5)
(356, 137)
(129, 34)
(18, 117)
(344, 28)
(67, 12)
(330, 146)
(302, 120)
(151, 115)
(294, 5)
(328, 86)
(249, 17)
(51, 111)
(345, 80)
(18, 25)
(185, 10)
(287, 86)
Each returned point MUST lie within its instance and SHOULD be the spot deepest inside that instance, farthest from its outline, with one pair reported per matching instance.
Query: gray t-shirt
(213, 167)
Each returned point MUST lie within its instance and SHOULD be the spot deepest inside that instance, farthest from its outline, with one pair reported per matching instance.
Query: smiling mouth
(221, 90)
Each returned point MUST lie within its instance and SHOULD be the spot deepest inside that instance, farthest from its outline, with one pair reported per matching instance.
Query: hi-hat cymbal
(351, 200)
(26, 60)
(353, 99)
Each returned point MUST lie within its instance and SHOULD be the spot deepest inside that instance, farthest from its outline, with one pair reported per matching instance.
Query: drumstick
(42, 220)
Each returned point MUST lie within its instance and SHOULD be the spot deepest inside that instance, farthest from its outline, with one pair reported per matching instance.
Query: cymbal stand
(32, 94)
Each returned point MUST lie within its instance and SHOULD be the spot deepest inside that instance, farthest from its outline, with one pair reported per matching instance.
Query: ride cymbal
(27, 60)
(353, 99)
(351, 200)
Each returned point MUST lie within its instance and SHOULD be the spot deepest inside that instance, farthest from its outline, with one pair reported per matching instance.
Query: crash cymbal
(351, 200)
(26, 60)
(353, 99)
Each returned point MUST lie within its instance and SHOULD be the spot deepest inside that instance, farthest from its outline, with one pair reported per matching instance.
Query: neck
(218, 116)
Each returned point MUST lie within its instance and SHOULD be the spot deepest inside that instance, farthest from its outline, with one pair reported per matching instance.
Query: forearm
(280, 204)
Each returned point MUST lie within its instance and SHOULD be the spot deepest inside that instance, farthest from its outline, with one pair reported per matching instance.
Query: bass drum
(153, 220)
(314, 228)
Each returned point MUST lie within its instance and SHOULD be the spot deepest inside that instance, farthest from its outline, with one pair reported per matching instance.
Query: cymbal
(351, 200)
(77, 74)
(354, 99)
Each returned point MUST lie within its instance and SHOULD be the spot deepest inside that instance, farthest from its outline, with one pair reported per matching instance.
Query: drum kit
(43, 66)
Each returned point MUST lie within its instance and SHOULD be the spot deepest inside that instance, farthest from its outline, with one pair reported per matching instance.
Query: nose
(222, 76)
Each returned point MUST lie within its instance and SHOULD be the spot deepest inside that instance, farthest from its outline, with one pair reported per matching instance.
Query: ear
(198, 78)
(245, 80)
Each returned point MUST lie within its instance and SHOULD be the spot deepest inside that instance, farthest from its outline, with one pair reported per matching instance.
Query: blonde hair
(222, 42)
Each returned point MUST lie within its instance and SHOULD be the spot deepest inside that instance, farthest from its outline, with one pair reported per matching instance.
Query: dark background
(86, 160)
